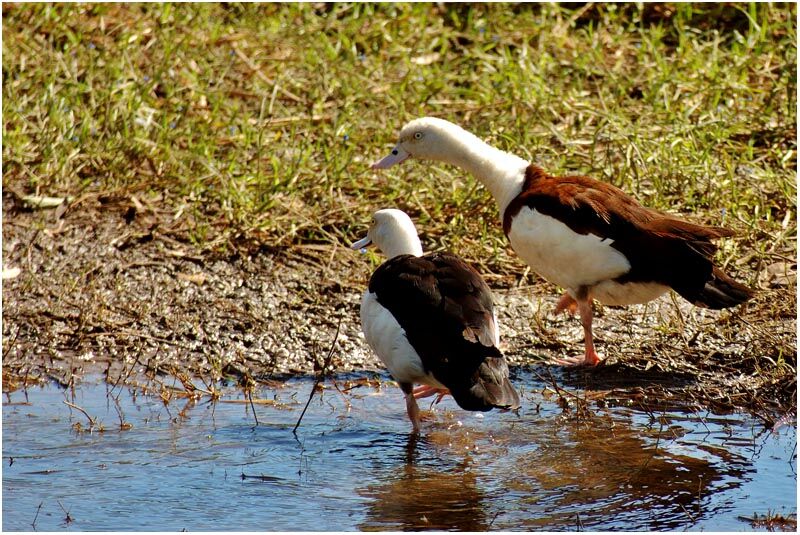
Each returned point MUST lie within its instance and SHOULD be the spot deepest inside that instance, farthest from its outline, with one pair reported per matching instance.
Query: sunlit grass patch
(264, 118)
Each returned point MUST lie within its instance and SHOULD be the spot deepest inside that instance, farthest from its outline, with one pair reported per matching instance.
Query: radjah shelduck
(430, 319)
(586, 236)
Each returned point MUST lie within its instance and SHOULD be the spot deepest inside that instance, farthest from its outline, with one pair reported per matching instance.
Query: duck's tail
(721, 291)
(488, 388)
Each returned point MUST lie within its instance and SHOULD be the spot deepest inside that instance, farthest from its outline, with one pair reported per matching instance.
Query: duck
(586, 236)
(431, 320)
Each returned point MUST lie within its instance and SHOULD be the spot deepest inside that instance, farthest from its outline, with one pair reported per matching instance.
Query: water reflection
(601, 467)
(418, 496)
(602, 470)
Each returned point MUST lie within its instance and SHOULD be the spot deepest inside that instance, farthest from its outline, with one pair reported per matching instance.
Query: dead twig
(321, 376)
(691, 518)
(92, 421)
(252, 405)
(261, 477)
(33, 524)
(558, 390)
(489, 527)
(771, 521)
(67, 518)
(123, 425)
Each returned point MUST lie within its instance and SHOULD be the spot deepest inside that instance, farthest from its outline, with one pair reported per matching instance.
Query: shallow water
(354, 465)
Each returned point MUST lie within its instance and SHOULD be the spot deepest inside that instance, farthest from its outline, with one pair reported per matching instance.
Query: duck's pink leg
(425, 391)
(590, 357)
(566, 303)
(413, 411)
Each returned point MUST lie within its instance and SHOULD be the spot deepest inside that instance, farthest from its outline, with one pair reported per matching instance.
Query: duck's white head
(430, 138)
(427, 138)
(393, 232)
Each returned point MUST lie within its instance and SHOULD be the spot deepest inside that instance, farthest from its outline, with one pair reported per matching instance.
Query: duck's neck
(501, 172)
(401, 244)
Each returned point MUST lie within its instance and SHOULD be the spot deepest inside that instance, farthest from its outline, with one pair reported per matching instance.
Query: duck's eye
(418, 135)
(394, 152)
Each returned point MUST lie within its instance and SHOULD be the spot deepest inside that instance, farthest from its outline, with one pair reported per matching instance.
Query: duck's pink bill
(398, 155)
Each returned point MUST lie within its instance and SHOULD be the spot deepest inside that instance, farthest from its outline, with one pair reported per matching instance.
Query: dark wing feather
(446, 310)
(660, 248)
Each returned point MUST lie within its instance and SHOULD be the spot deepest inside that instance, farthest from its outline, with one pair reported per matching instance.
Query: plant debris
(263, 315)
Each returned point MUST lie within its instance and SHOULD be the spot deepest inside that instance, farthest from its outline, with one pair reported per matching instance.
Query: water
(354, 465)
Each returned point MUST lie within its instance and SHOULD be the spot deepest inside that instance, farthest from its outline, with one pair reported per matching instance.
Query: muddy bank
(113, 285)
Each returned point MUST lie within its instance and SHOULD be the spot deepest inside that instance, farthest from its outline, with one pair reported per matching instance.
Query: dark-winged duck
(430, 319)
(586, 236)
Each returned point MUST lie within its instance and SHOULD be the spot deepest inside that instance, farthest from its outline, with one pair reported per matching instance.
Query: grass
(261, 120)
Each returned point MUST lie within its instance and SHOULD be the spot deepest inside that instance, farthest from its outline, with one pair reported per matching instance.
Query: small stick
(252, 406)
(321, 376)
(13, 341)
(67, 518)
(493, 519)
(33, 524)
(91, 420)
(262, 477)
(118, 407)
(557, 388)
(691, 518)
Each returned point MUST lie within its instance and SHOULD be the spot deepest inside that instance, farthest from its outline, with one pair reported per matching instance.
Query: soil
(111, 284)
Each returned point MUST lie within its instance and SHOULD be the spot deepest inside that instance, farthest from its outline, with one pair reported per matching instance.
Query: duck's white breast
(571, 260)
(388, 339)
(563, 256)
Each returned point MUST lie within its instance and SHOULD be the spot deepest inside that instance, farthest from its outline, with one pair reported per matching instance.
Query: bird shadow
(619, 382)
(617, 375)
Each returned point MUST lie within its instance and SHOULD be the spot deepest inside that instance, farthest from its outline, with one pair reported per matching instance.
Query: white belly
(572, 260)
(630, 293)
(563, 256)
(388, 339)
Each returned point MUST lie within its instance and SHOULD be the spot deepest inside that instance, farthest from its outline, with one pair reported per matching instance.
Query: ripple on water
(353, 465)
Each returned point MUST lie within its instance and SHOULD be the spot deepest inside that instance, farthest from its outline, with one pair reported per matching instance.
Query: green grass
(261, 120)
